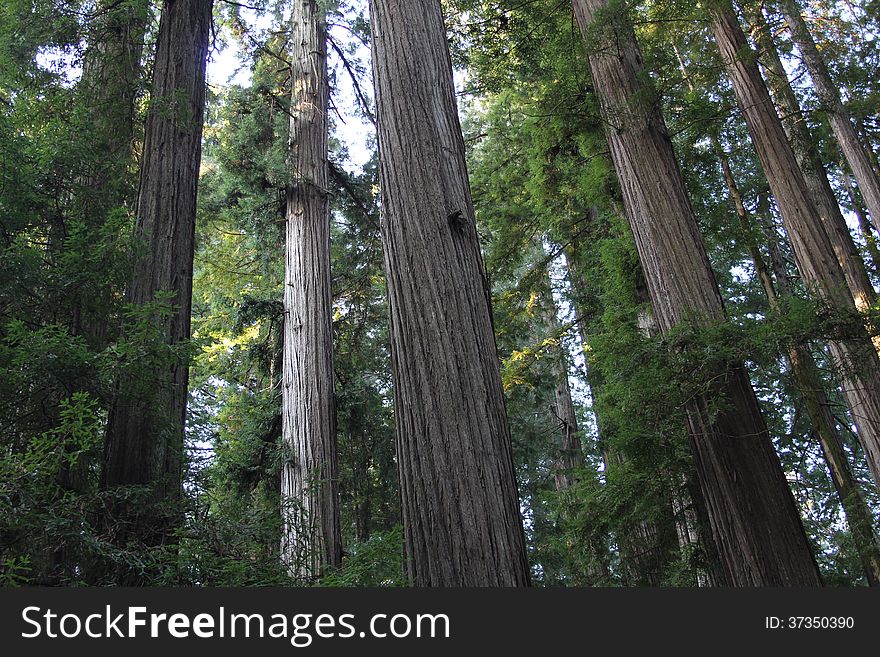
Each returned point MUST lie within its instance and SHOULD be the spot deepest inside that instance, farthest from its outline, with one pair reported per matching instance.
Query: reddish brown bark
(753, 516)
(458, 492)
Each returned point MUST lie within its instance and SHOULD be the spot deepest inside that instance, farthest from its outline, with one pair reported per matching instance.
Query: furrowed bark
(809, 383)
(311, 536)
(144, 443)
(838, 115)
(854, 359)
(754, 520)
(812, 168)
(458, 492)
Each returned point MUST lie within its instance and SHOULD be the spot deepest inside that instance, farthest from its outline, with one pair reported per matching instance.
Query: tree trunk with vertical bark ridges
(459, 496)
(809, 383)
(144, 443)
(838, 116)
(855, 359)
(754, 519)
(812, 168)
(311, 536)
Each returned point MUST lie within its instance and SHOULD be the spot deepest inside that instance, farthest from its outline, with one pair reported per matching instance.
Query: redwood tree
(813, 169)
(838, 115)
(459, 498)
(753, 516)
(309, 489)
(854, 356)
(144, 442)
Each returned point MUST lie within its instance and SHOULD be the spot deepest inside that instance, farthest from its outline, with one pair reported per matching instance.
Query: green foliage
(564, 273)
(374, 562)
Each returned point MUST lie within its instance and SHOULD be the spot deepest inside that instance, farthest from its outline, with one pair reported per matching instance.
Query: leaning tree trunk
(458, 490)
(809, 384)
(855, 358)
(311, 537)
(144, 443)
(858, 515)
(838, 115)
(812, 168)
(752, 512)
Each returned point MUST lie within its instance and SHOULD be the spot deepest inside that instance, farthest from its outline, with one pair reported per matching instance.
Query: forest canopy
(439, 293)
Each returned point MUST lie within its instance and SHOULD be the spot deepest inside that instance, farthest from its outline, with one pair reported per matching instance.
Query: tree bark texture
(812, 168)
(838, 116)
(458, 490)
(311, 536)
(809, 384)
(754, 519)
(855, 359)
(144, 442)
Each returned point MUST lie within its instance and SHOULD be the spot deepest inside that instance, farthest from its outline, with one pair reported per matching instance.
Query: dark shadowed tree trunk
(311, 539)
(754, 519)
(838, 116)
(144, 443)
(458, 492)
(855, 358)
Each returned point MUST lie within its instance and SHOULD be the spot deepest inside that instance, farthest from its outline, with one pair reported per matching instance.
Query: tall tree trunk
(809, 383)
(841, 121)
(458, 491)
(812, 168)
(144, 443)
(752, 512)
(570, 457)
(688, 511)
(311, 539)
(855, 359)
